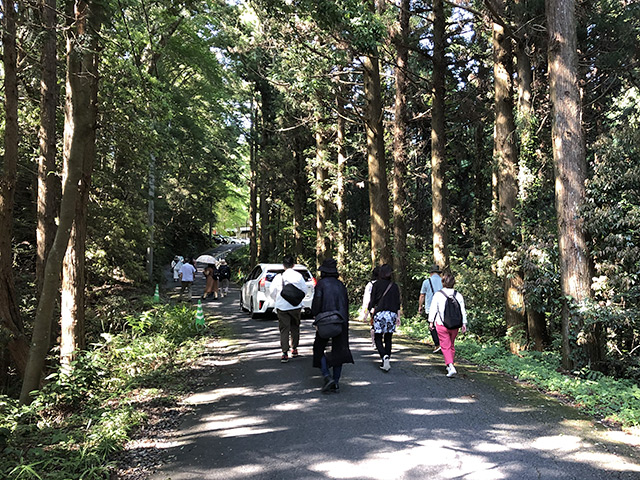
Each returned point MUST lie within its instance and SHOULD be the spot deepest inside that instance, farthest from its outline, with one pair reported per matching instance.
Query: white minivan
(255, 294)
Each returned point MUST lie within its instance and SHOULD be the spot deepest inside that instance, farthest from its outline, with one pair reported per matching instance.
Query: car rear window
(272, 273)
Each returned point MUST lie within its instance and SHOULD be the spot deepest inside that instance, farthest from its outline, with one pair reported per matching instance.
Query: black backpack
(452, 317)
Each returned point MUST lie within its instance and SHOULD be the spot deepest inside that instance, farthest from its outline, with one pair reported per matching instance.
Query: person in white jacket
(288, 315)
(436, 316)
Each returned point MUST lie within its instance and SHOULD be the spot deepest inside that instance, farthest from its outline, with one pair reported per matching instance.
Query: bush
(80, 418)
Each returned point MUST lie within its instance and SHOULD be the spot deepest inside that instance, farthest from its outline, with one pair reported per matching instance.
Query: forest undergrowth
(79, 421)
(615, 401)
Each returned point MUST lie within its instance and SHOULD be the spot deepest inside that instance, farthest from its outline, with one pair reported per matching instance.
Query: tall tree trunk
(263, 158)
(506, 158)
(340, 180)
(299, 199)
(78, 128)
(48, 181)
(536, 325)
(376, 161)
(264, 251)
(322, 174)
(72, 318)
(400, 160)
(438, 140)
(253, 189)
(11, 323)
(570, 167)
(151, 211)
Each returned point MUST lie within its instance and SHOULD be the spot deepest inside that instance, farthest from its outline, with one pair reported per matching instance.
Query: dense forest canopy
(496, 138)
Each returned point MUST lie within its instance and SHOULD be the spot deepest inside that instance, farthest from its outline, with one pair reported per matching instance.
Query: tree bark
(151, 211)
(253, 189)
(263, 157)
(376, 161)
(570, 170)
(536, 324)
(264, 250)
(506, 159)
(78, 127)
(322, 174)
(11, 323)
(400, 160)
(438, 140)
(48, 181)
(340, 181)
(72, 318)
(299, 199)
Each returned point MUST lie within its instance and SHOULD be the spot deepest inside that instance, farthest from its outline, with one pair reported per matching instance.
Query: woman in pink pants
(436, 315)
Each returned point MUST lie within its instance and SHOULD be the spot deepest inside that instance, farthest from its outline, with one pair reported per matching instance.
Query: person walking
(449, 298)
(211, 287)
(385, 308)
(331, 296)
(187, 272)
(225, 277)
(366, 297)
(176, 265)
(291, 284)
(429, 287)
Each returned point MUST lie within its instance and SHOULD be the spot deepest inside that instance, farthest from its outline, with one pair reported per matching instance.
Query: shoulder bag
(328, 324)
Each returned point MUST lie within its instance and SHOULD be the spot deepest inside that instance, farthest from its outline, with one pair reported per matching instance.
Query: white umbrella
(206, 259)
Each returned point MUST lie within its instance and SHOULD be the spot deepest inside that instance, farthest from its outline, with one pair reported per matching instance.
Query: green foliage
(483, 297)
(355, 273)
(612, 218)
(82, 416)
(239, 263)
(616, 400)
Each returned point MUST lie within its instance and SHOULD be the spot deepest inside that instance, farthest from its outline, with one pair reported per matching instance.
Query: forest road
(256, 418)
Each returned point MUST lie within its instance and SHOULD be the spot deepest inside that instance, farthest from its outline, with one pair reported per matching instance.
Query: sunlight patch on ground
(360, 384)
(216, 395)
(268, 370)
(426, 411)
(606, 461)
(624, 437)
(466, 399)
(398, 438)
(219, 363)
(517, 409)
(427, 457)
(558, 443)
(223, 422)
(486, 447)
(290, 406)
(237, 472)
(248, 431)
(511, 427)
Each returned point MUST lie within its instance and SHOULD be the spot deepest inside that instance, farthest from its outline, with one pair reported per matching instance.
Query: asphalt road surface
(259, 419)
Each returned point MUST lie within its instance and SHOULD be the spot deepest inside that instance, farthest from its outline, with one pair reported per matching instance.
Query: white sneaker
(437, 349)
(451, 370)
(386, 365)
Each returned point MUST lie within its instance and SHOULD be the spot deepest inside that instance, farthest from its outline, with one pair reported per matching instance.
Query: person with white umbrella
(212, 275)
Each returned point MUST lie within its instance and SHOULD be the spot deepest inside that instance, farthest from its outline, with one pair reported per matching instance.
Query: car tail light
(262, 283)
(315, 282)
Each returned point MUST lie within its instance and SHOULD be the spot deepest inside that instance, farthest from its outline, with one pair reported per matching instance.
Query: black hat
(434, 269)
(329, 265)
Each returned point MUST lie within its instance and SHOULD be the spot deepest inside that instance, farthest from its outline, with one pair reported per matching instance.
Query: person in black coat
(331, 295)
(385, 303)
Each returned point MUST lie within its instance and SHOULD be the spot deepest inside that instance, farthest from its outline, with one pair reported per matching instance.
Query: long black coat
(331, 294)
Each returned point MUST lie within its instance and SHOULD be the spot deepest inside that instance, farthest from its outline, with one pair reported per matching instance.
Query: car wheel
(242, 307)
(254, 315)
